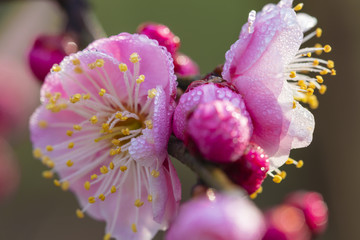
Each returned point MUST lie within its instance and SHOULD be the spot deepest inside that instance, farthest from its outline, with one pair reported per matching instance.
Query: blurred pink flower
(217, 217)
(266, 65)
(104, 126)
(214, 118)
(185, 66)
(9, 171)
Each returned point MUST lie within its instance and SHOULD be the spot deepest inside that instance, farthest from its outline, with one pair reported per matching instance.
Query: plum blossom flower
(103, 127)
(217, 217)
(269, 69)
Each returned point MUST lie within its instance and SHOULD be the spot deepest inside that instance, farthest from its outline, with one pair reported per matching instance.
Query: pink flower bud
(220, 217)
(314, 208)
(185, 66)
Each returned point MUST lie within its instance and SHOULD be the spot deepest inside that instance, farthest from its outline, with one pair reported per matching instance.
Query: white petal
(306, 21)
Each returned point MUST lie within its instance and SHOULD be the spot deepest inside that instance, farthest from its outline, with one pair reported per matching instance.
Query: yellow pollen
(111, 165)
(113, 189)
(322, 89)
(86, 96)
(324, 72)
(56, 68)
(292, 74)
(45, 159)
(71, 145)
(298, 7)
(125, 131)
(78, 70)
(330, 64)
(253, 195)
(105, 126)
(77, 127)
(37, 153)
(333, 72)
(320, 47)
(319, 79)
(312, 85)
(300, 164)
(87, 185)
(260, 189)
(49, 163)
(65, 186)
(79, 213)
(309, 91)
(152, 93)
(48, 174)
(76, 61)
(283, 174)
(289, 161)
(118, 115)
(149, 124)
(116, 142)
(102, 92)
(155, 173)
(104, 169)
(57, 183)
(92, 66)
(49, 148)
(94, 176)
(48, 95)
(69, 163)
(93, 119)
(149, 198)
(123, 168)
(138, 203)
(107, 236)
(308, 54)
(123, 67)
(294, 104)
(313, 102)
(133, 227)
(69, 133)
(115, 151)
(102, 197)
(134, 58)
(100, 62)
(140, 79)
(318, 32)
(43, 124)
(316, 62)
(91, 200)
(75, 98)
(277, 179)
(327, 48)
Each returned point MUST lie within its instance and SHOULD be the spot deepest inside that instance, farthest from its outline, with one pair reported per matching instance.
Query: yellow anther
(57, 183)
(253, 195)
(94, 176)
(99, 62)
(76, 61)
(123, 168)
(69, 163)
(292, 74)
(77, 127)
(330, 64)
(123, 67)
(123, 118)
(93, 119)
(327, 48)
(48, 95)
(43, 124)
(104, 169)
(125, 131)
(49, 148)
(324, 72)
(45, 159)
(111, 165)
(102, 92)
(298, 7)
(322, 89)
(75, 98)
(294, 104)
(277, 179)
(37, 153)
(57, 95)
(105, 126)
(87, 185)
(62, 106)
(155, 173)
(71, 145)
(308, 54)
(133, 227)
(333, 72)
(48, 174)
(49, 163)
(92, 66)
(116, 142)
(319, 47)
(149, 124)
(65, 185)
(138, 203)
(79, 213)
(115, 151)
(134, 58)
(118, 115)
(151, 93)
(300, 163)
(86, 96)
(312, 85)
(259, 190)
(140, 79)
(107, 236)
(313, 102)
(69, 133)
(56, 68)
(78, 70)
(318, 32)
(91, 200)
(283, 174)
(113, 189)
(319, 79)
(309, 91)
(149, 198)
(102, 197)
(316, 62)
(289, 161)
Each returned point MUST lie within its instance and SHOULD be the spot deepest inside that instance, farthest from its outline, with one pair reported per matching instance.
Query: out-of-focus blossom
(103, 127)
(217, 217)
(213, 117)
(314, 208)
(9, 171)
(286, 222)
(185, 66)
(267, 67)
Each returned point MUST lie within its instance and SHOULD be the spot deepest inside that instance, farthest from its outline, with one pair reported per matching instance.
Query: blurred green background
(39, 211)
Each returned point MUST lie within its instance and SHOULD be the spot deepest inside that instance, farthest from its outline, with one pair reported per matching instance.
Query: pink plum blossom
(185, 66)
(213, 117)
(217, 217)
(267, 67)
(103, 127)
